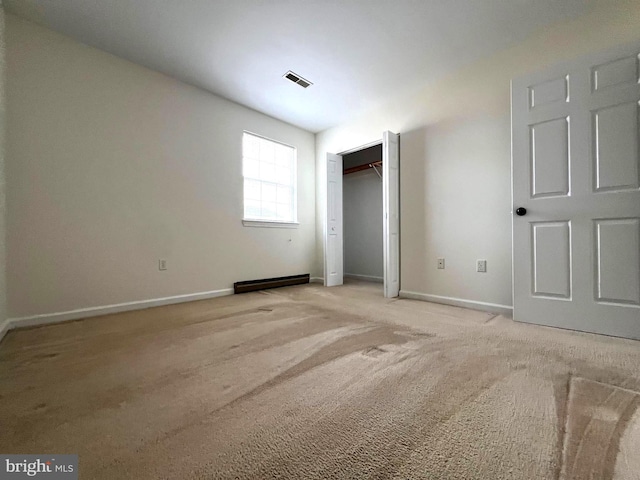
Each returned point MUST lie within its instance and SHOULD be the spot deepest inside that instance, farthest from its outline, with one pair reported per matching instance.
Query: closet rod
(359, 168)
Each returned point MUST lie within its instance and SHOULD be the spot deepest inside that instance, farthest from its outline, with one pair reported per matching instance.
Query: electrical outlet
(162, 264)
(481, 266)
(441, 264)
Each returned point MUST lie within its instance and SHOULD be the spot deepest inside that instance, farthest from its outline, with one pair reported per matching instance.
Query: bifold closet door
(391, 213)
(333, 255)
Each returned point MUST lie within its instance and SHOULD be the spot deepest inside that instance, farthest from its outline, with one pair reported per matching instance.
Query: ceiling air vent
(295, 78)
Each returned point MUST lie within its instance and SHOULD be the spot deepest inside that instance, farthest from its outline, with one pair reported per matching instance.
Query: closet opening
(365, 210)
(363, 244)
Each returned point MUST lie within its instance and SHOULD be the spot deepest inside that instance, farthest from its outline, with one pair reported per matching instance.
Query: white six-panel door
(576, 171)
(334, 262)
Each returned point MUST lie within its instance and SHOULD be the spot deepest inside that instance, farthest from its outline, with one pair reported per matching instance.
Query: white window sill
(269, 224)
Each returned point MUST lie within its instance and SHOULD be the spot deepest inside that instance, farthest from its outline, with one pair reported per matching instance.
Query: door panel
(550, 158)
(576, 169)
(552, 259)
(333, 268)
(616, 72)
(615, 130)
(617, 259)
(550, 91)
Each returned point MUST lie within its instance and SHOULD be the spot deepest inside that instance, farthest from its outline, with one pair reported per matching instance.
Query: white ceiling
(357, 52)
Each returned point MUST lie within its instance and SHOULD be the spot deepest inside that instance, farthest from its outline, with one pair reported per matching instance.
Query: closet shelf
(359, 168)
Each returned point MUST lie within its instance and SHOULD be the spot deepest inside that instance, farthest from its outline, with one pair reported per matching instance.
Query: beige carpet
(310, 382)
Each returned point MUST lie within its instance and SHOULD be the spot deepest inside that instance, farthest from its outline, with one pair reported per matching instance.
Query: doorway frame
(386, 233)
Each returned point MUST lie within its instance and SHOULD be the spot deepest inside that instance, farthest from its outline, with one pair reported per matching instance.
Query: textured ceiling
(358, 53)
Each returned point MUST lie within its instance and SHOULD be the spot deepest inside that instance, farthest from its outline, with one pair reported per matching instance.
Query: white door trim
(361, 147)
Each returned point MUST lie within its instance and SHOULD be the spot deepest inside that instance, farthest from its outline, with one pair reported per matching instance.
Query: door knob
(521, 211)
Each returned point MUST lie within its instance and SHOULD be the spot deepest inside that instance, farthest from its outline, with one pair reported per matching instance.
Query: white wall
(111, 166)
(362, 217)
(455, 157)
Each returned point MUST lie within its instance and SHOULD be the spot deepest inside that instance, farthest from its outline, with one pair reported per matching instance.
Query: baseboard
(58, 317)
(367, 278)
(4, 328)
(317, 280)
(460, 302)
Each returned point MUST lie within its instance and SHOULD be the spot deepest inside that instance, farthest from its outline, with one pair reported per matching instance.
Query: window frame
(271, 222)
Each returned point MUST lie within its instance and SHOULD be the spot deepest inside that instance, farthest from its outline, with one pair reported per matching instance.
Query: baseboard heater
(263, 284)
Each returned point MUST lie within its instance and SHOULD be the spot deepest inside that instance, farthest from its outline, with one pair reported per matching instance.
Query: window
(269, 170)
